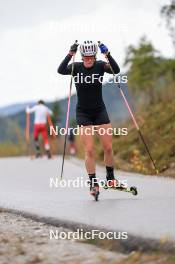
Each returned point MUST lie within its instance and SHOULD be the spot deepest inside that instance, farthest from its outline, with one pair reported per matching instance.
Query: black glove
(74, 48)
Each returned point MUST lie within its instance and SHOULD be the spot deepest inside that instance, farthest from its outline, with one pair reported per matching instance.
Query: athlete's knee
(35, 137)
(108, 149)
(89, 152)
(47, 146)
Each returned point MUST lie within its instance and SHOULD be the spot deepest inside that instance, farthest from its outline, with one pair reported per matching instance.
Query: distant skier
(41, 112)
(91, 110)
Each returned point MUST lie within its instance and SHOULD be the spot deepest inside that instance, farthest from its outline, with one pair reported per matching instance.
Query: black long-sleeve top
(88, 81)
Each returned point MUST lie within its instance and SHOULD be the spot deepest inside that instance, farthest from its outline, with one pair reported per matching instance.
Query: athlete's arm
(64, 68)
(113, 64)
(49, 111)
(30, 110)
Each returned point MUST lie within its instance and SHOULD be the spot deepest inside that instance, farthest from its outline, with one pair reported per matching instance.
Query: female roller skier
(90, 109)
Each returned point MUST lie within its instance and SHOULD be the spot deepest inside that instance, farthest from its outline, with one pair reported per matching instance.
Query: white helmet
(88, 48)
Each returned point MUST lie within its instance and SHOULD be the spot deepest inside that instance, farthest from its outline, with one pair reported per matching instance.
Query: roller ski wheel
(133, 190)
(121, 187)
(94, 191)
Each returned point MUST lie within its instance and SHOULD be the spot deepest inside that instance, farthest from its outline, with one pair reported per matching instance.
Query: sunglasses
(88, 57)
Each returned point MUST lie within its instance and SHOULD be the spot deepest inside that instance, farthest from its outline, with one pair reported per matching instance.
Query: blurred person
(41, 114)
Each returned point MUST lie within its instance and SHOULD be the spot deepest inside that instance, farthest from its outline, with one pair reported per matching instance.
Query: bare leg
(87, 141)
(106, 141)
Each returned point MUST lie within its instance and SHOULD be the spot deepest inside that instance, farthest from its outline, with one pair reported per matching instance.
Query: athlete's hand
(103, 49)
(73, 49)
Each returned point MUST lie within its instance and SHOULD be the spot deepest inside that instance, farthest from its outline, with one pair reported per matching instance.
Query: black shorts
(92, 117)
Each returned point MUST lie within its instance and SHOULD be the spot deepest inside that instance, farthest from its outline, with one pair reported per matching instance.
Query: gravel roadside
(24, 241)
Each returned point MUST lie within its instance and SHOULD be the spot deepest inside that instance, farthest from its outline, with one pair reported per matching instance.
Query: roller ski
(94, 187)
(115, 185)
(94, 191)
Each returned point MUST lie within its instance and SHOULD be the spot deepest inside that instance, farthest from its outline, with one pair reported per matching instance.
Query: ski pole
(68, 112)
(50, 123)
(132, 116)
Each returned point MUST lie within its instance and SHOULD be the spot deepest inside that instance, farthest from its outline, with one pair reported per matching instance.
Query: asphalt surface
(25, 185)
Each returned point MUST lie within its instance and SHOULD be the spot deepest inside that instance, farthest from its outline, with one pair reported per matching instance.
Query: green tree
(168, 12)
(143, 62)
(56, 117)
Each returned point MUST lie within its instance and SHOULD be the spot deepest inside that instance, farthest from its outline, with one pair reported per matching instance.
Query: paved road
(25, 185)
